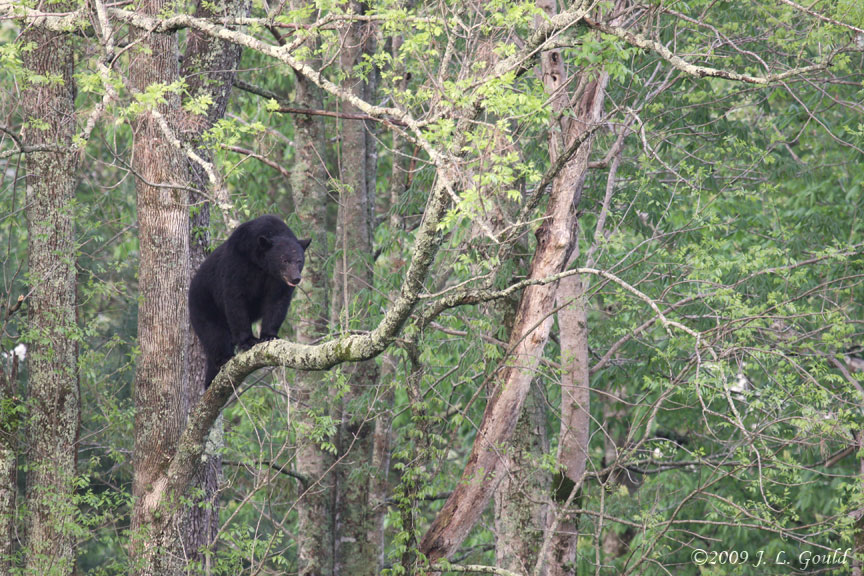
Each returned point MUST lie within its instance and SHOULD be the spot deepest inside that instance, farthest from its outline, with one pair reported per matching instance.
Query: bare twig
(641, 41)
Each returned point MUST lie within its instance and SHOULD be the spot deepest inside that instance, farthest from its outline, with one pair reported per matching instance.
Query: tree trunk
(380, 441)
(9, 422)
(54, 394)
(575, 423)
(355, 553)
(521, 501)
(209, 67)
(572, 321)
(311, 308)
(162, 375)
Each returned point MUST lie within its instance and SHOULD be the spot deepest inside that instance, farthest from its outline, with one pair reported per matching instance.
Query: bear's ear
(305, 243)
(264, 243)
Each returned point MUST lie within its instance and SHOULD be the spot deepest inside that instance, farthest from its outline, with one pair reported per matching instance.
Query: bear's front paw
(247, 344)
(268, 337)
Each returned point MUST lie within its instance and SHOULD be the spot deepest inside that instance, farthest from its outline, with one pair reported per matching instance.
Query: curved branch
(478, 296)
(822, 17)
(641, 41)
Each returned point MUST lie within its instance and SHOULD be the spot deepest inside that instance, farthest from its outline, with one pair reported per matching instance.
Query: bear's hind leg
(216, 341)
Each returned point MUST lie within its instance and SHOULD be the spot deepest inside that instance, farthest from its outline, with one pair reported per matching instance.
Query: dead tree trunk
(572, 320)
(53, 393)
(572, 323)
(528, 339)
(575, 424)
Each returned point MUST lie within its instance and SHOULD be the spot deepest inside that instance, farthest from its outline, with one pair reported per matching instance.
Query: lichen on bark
(53, 391)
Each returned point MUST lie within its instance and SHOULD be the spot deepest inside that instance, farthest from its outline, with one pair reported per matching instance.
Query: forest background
(583, 297)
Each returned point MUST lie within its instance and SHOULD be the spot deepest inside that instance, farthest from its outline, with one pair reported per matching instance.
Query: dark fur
(248, 278)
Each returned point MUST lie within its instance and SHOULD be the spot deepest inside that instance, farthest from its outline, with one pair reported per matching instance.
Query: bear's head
(283, 257)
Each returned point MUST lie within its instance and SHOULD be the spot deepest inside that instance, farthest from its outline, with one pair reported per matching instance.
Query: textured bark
(355, 553)
(9, 423)
(53, 393)
(162, 375)
(521, 500)
(311, 308)
(209, 67)
(379, 485)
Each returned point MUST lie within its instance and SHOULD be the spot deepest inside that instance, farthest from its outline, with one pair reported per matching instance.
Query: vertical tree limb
(162, 375)
(575, 422)
(54, 397)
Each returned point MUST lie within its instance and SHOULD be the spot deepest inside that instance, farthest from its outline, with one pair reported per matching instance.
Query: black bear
(250, 277)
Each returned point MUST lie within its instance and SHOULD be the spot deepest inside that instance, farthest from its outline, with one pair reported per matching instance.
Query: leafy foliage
(736, 209)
